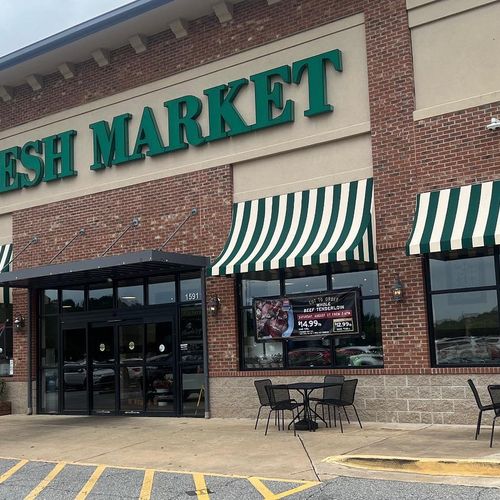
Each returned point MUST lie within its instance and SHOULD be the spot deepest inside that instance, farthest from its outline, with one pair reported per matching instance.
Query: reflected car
(361, 355)
(310, 356)
(478, 350)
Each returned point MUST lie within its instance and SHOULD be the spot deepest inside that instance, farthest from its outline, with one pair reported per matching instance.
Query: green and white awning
(456, 218)
(5, 257)
(328, 224)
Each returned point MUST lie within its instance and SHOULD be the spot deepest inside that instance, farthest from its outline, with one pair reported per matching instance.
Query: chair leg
(357, 416)
(340, 420)
(492, 431)
(258, 415)
(478, 428)
(293, 418)
(267, 425)
(346, 415)
(329, 417)
(335, 416)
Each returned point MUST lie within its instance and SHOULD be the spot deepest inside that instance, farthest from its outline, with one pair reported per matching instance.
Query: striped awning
(5, 257)
(456, 218)
(328, 224)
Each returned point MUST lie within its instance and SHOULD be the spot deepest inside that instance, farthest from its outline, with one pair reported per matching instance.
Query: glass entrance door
(102, 364)
(75, 380)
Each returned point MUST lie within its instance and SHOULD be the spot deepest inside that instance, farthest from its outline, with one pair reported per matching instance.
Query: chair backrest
(348, 391)
(476, 394)
(277, 395)
(333, 392)
(261, 385)
(494, 391)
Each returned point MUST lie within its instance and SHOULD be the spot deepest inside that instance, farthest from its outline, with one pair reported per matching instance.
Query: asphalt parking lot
(28, 479)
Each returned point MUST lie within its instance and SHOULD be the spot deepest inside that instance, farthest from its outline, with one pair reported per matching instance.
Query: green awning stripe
(457, 218)
(296, 229)
(492, 229)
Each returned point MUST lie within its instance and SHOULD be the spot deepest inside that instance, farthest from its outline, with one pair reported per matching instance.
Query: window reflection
(162, 290)
(73, 300)
(309, 353)
(130, 295)
(462, 273)
(366, 280)
(100, 297)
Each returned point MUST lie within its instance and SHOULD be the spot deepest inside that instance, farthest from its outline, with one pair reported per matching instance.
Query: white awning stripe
(5, 257)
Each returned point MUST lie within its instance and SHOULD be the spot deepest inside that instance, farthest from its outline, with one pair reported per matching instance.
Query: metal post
(29, 357)
(135, 222)
(205, 339)
(31, 242)
(81, 232)
(194, 211)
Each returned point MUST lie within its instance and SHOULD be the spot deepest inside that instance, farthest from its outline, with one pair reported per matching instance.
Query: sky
(27, 21)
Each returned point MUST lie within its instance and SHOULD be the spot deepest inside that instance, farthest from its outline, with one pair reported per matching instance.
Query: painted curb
(429, 466)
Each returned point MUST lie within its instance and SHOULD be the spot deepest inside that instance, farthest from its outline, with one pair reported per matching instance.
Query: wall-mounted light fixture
(494, 124)
(397, 290)
(213, 305)
(18, 321)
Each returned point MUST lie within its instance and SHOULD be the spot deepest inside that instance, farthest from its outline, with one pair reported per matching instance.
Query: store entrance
(130, 367)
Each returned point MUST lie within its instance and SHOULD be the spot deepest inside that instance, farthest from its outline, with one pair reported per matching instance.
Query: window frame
(429, 305)
(241, 308)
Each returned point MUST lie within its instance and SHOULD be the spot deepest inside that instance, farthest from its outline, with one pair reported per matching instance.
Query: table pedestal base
(306, 425)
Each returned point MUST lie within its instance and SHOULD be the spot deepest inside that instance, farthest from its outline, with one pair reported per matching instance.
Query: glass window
(6, 339)
(49, 391)
(162, 290)
(100, 296)
(366, 280)
(73, 300)
(309, 353)
(305, 285)
(462, 273)
(190, 287)
(312, 352)
(264, 284)
(259, 355)
(465, 320)
(159, 342)
(130, 294)
(131, 343)
(50, 302)
(49, 341)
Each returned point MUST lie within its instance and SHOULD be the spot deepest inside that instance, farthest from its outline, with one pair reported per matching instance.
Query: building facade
(176, 175)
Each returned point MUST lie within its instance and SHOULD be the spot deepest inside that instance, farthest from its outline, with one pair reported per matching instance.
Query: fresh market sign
(52, 158)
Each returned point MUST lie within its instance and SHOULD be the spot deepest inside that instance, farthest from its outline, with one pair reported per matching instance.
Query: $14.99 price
(309, 324)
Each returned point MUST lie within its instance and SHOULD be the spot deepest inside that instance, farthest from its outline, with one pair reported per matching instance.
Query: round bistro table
(306, 423)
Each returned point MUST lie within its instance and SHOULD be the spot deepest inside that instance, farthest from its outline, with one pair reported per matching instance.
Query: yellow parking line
(267, 494)
(45, 482)
(147, 484)
(201, 486)
(12, 470)
(90, 483)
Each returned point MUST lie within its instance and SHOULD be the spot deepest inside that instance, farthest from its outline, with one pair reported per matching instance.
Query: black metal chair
(331, 393)
(494, 391)
(261, 385)
(480, 406)
(280, 400)
(346, 399)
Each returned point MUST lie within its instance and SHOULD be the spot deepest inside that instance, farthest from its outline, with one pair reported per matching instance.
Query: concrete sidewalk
(233, 447)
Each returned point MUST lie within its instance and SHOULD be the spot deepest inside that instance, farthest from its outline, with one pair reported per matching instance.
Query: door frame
(85, 322)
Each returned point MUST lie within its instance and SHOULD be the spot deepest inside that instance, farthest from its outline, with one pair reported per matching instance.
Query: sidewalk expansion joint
(428, 466)
(309, 458)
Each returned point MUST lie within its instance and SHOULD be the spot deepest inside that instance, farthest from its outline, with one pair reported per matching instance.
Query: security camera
(495, 123)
